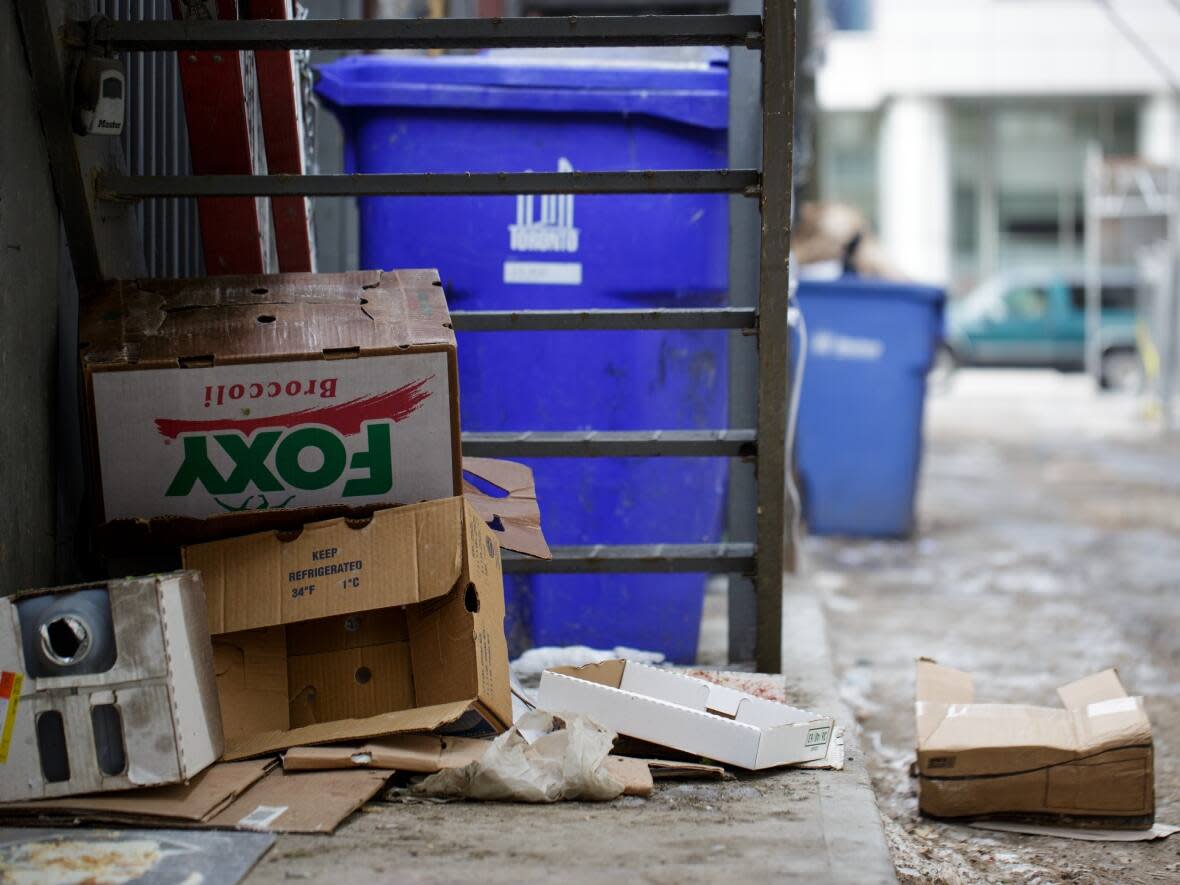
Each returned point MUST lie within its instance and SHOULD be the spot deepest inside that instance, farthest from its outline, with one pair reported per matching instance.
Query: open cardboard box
(1088, 762)
(215, 406)
(351, 629)
(688, 714)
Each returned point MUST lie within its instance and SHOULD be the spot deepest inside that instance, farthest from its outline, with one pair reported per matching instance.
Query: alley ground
(1049, 547)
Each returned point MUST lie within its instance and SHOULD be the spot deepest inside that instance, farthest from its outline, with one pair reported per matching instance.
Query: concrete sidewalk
(1048, 548)
(792, 825)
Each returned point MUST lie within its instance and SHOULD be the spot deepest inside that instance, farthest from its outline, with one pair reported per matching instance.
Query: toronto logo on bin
(281, 455)
(545, 222)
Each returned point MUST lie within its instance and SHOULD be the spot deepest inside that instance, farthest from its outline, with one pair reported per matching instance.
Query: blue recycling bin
(859, 438)
(491, 113)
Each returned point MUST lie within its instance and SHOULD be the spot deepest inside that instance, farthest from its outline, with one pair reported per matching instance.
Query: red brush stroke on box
(346, 418)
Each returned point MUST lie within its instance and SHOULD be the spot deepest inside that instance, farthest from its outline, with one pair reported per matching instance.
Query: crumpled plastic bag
(565, 761)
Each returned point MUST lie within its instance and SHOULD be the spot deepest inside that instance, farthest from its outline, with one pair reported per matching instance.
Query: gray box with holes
(106, 686)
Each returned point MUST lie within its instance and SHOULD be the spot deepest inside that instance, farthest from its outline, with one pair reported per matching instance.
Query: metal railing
(772, 33)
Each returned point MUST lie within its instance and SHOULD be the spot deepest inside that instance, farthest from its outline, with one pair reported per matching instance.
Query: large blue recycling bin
(491, 113)
(859, 437)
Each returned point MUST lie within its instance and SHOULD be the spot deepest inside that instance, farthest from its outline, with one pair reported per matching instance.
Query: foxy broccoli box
(255, 394)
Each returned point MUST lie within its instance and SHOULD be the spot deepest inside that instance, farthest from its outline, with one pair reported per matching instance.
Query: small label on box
(262, 817)
(817, 737)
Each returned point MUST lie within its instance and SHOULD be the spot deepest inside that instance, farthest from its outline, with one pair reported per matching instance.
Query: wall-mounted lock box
(100, 91)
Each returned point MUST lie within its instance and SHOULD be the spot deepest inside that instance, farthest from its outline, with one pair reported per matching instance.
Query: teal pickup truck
(1038, 320)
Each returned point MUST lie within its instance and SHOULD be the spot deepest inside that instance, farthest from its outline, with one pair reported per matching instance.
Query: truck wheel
(1122, 370)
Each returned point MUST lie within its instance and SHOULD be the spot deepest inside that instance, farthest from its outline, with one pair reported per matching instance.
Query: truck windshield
(1113, 297)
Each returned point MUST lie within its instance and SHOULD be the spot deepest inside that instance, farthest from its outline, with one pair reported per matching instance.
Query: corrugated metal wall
(155, 142)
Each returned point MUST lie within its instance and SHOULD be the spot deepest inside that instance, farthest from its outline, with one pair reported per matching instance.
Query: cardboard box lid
(155, 323)
(987, 739)
(686, 713)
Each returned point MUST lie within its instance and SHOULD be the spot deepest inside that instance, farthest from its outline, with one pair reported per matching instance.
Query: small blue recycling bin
(859, 438)
(494, 112)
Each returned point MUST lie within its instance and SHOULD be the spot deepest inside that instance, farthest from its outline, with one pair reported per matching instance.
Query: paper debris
(1159, 831)
(565, 760)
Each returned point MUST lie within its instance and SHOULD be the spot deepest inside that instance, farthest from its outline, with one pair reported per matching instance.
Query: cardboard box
(249, 395)
(685, 713)
(351, 629)
(106, 686)
(1090, 759)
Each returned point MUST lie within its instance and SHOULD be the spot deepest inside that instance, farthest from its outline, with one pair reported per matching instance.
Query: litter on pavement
(1089, 761)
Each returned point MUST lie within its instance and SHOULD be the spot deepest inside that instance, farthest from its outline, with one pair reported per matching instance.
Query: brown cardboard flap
(424, 753)
(937, 687)
(252, 681)
(1117, 722)
(608, 673)
(396, 557)
(253, 795)
(1097, 687)
(423, 719)
(205, 795)
(633, 774)
(514, 517)
(308, 802)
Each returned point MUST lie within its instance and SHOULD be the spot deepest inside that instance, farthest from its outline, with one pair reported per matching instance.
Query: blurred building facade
(960, 128)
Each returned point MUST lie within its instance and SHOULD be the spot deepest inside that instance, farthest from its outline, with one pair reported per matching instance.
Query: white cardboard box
(106, 686)
(689, 714)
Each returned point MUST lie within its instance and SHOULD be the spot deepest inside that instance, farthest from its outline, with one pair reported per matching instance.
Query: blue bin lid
(695, 93)
(865, 287)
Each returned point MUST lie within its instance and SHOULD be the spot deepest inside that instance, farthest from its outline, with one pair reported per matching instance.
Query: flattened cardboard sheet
(200, 799)
(252, 795)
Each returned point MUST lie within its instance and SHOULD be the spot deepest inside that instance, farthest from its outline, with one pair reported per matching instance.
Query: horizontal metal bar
(117, 186)
(714, 558)
(455, 33)
(611, 444)
(604, 320)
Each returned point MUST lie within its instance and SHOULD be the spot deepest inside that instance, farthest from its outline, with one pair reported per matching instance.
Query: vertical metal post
(1092, 237)
(1170, 363)
(745, 151)
(776, 547)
